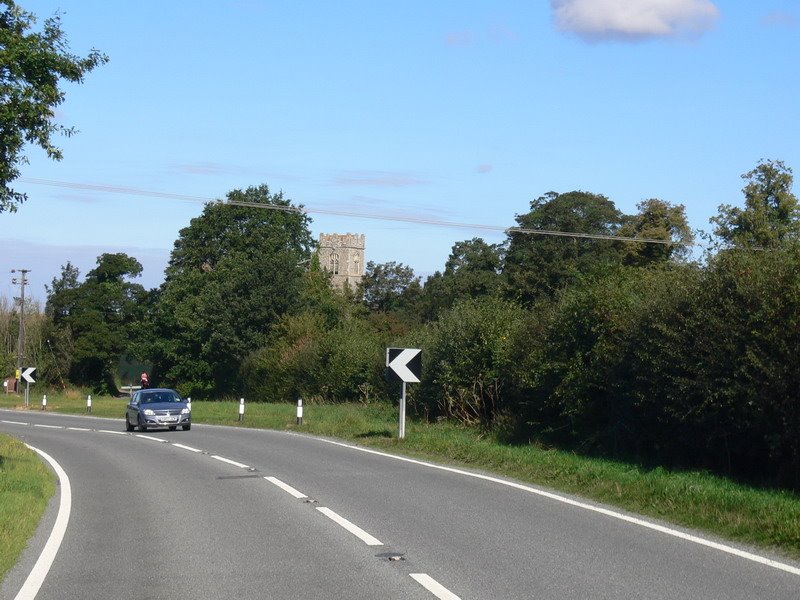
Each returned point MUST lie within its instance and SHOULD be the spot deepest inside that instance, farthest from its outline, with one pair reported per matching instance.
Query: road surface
(224, 512)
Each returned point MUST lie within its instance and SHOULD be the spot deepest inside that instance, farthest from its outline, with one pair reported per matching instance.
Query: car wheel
(142, 426)
(128, 426)
(187, 427)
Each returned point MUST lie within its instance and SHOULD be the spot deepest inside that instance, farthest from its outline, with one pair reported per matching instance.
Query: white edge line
(110, 431)
(286, 487)
(37, 575)
(14, 422)
(189, 448)
(433, 586)
(150, 437)
(604, 511)
(354, 529)
(49, 426)
(230, 462)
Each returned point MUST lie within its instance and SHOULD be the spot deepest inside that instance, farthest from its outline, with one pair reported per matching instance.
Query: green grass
(766, 518)
(26, 486)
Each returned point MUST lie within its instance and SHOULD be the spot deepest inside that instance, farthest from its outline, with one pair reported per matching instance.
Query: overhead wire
(344, 213)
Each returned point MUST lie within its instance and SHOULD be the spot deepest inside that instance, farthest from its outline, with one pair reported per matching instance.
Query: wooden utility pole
(22, 281)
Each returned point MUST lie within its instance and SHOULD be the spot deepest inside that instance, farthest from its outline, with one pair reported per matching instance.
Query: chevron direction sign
(405, 363)
(27, 374)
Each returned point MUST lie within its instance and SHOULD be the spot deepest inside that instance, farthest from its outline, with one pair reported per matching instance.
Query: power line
(128, 191)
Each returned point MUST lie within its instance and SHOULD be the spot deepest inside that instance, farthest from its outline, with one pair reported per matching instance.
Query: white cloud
(599, 20)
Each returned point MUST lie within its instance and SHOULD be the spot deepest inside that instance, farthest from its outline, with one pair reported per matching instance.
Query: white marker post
(44, 402)
(189, 403)
(241, 409)
(299, 411)
(89, 403)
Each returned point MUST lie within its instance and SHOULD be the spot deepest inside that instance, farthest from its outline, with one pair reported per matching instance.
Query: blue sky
(444, 111)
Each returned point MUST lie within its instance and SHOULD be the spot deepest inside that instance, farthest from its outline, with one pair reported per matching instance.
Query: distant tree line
(642, 351)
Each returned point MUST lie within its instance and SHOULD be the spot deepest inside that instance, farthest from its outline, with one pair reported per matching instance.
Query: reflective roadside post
(299, 411)
(89, 403)
(44, 402)
(241, 410)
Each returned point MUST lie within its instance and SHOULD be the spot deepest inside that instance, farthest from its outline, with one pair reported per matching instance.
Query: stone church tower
(343, 256)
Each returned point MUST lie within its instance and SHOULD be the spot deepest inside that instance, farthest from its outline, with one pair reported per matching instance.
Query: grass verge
(26, 486)
(766, 518)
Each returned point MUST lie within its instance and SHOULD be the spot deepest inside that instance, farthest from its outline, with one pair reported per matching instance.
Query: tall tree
(234, 271)
(657, 220)
(771, 214)
(32, 65)
(389, 286)
(539, 265)
(472, 271)
(97, 316)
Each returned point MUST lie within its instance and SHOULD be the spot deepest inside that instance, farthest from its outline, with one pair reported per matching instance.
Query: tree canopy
(389, 286)
(99, 316)
(472, 271)
(32, 65)
(234, 271)
(538, 265)
(771, 214)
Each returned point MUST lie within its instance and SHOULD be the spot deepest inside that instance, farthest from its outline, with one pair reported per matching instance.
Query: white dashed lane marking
(352, 528)
(150, 437)
(189, 448)
(434, 587)
(230, 462)
(286, 487)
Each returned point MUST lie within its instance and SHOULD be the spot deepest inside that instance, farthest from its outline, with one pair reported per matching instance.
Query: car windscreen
(160, 397)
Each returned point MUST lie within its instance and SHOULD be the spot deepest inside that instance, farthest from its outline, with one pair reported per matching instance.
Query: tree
(657, 220)
(389, 286)
(771, 214)
(32, 65)
(472, 271)
(234, 271)
(539, 265)
(98, 317)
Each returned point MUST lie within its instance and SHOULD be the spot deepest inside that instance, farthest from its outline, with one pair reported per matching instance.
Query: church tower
(342, 255)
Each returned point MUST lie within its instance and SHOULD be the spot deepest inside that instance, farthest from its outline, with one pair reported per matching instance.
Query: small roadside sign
(27, 374)
(405, 363)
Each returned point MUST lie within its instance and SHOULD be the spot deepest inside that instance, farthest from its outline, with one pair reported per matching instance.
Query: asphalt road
(195, 516)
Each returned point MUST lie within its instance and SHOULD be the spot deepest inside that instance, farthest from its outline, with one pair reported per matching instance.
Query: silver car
(157, 407)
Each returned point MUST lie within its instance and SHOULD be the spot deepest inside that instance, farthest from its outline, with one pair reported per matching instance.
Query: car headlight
(185, 411)
(148, 412)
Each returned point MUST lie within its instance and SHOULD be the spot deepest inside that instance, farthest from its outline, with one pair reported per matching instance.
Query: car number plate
(169, 419)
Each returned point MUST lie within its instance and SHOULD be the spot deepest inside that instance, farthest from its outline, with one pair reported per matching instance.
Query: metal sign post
(404, 364)
(401, 430)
